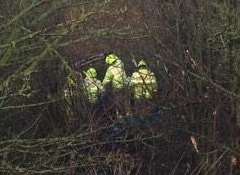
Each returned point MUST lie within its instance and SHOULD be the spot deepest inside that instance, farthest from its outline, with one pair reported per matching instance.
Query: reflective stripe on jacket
(69, 88)
(115, 75)
(143, 83)
(93, 89)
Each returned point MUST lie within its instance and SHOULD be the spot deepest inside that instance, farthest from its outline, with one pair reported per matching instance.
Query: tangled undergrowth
(193, 49)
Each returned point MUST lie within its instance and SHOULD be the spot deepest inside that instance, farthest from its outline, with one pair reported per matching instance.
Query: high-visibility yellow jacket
(144, 84)
(93, 88)
(115, 75)
(70, 85)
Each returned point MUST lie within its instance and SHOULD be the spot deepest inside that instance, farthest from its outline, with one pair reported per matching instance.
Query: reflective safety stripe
(93, 89)
(143, 83)
(116, 75)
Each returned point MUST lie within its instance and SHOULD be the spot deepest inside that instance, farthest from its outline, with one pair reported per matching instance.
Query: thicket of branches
(193, 48)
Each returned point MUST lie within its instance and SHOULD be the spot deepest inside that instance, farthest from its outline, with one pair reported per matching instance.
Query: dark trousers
(143, 107)
(116, 101)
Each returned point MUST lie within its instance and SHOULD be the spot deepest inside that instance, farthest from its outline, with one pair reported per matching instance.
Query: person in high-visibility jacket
(69, 105)
(115, 74)
(69, 90)
(114, 84)
(92, 85)
(143, 82)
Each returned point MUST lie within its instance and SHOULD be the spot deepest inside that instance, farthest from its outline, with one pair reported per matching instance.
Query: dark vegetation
(192, 46)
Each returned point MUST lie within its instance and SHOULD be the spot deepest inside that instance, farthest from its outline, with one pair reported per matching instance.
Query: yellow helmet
(110, 59)
(142, 63)
(91, 73)
(71, 81)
